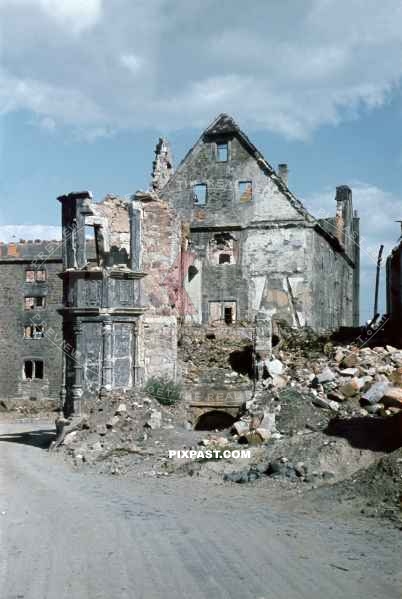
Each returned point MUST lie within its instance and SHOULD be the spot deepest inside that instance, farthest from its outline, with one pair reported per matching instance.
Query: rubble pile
(349, 381)
(206, 355)
(121, 431)
(320, 415)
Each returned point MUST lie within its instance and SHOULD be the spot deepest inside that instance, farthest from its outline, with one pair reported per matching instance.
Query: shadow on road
(363, 432)
(39, 438)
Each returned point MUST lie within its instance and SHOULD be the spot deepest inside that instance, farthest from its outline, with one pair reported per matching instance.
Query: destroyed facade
(221, 240)
(112, 347)
(255, 246)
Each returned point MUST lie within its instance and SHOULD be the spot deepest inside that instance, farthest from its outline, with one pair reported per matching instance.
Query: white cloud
(131, 62)
(378, 210)
(286, 67)
(78, 14)
(73, 15)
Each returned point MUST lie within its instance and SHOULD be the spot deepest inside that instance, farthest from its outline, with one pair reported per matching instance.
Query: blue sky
(86, 88)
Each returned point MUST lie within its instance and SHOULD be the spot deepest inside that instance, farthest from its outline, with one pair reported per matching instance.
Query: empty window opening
(222, 152)
(228, 317)
(38, 369)
(224, 258)
(200, 194)
(33, 369)
(39, 275)
(214, 420)
(222, 311)
(36, 331)
(245, 191)
(192, 271)
(35, 303)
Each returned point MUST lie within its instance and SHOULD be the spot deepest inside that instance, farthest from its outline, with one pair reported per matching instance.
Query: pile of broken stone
(352, 381)
(121, 425)
(308, 388)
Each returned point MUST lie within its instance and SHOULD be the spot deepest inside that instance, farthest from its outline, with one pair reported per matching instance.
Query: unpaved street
(69, 535)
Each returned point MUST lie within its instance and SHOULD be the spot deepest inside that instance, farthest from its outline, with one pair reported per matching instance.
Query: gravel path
(70, 535)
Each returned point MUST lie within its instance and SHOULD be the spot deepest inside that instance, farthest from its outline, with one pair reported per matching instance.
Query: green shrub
(164, 390)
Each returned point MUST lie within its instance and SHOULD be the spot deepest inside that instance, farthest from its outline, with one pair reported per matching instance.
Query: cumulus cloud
(73, 15)
(285, 67)
(131, 62)
(378, 210)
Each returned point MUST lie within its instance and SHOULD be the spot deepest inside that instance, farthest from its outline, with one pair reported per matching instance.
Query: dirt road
(69, 535)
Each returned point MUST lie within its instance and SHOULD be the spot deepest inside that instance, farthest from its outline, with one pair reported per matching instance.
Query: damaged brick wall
(162, 241)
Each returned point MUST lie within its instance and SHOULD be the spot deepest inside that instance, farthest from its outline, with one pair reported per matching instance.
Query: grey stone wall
(15, 259)
(280, 259)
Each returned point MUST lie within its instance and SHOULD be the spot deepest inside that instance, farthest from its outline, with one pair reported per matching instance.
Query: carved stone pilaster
(76, 388)
(107, 365)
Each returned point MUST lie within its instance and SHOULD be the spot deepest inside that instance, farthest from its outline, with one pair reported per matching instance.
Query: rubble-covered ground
(323, 425)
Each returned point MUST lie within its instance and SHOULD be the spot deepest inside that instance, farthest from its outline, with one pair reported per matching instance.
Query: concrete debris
(275, 367)
(326, 376)
(155, 420)
(392, 397)
(376, 392)
(240, 427)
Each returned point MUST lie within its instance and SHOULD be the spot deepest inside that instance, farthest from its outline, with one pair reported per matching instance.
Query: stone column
(138, 371)
(107, 364)
(76, 389)
(63, 390)
(263, 343)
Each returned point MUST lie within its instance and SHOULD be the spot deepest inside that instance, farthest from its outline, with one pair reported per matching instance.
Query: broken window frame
(200, 186)
(192, 272)
(224, 258)
(243, 191)
(226, 311)
(38, 275)
(224, 305)
(35, 367)
(222, 151)
(38, 302)
(34, 331)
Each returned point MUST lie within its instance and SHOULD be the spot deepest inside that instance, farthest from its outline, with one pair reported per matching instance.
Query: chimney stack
(344, 214)
(283, 172)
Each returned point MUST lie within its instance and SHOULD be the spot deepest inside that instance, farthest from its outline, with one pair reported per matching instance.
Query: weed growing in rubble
(164, 390)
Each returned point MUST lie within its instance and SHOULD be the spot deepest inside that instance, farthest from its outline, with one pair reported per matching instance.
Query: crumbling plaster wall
(162, 239)
(223, 206)
(276, 261)
(332, 303)
(115, 210)
(268, 232)
(281, 260)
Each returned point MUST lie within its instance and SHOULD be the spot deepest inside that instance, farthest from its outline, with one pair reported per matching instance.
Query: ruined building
(117, 334)
(255, 245)
(30, 296)
(394, 290)
(221, 239)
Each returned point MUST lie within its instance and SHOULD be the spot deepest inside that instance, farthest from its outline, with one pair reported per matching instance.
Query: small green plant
(164, 390)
